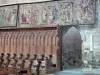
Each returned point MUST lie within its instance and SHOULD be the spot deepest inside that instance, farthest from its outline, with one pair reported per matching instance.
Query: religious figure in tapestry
(66, 12)
(53, 12)
(8, 16)
(29, 15)
(84, 11)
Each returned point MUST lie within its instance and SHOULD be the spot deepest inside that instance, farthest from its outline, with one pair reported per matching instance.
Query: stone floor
(79, 71)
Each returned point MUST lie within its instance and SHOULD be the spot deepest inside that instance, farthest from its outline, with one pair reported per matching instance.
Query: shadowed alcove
(71, 48)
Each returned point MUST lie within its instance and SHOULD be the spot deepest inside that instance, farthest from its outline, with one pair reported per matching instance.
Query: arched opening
(71, 48)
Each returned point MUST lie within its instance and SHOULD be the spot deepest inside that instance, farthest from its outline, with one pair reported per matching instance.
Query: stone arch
(71, 47)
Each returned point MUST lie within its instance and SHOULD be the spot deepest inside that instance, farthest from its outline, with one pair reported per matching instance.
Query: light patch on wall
(7, 2)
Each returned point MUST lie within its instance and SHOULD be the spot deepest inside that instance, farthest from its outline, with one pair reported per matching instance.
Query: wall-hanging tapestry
(29, 14)
(66, 12)
(84, 11)
(8, 16)
(58, 12)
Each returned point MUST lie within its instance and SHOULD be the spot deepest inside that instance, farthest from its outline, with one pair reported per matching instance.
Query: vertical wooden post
(6, 46)
(1, 42)
(59, 51)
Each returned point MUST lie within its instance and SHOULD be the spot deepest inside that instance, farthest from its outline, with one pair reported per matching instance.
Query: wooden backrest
(30, 43)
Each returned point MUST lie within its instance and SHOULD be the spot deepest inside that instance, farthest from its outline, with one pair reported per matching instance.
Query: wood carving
(32, 45)
(13, 43)
(28, 48)
(26, 43)
(1, 47)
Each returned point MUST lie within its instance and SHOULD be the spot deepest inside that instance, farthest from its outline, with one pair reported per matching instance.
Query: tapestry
(58, 13)
(29, 14)
(8, 15)
(84, 12)
(66, 13)
(53, 13)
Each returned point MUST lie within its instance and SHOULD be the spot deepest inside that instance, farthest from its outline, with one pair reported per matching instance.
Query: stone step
(49, 74)
(79, 71)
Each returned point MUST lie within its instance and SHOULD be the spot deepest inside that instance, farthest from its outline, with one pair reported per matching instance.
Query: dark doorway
(71, 48)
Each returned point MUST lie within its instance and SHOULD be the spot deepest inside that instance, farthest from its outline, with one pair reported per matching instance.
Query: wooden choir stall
(29, 51)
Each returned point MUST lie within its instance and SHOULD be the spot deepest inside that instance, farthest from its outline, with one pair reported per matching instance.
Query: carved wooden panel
(7, 42)
(1, 42)
(13, 42)
(39, 41)
(20, 42)
(55, 42)
(32, 43)
(29, 41)
(26, 43)
(42, 42)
